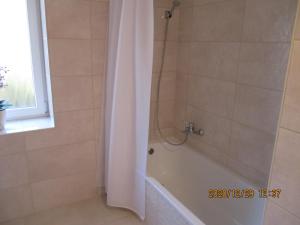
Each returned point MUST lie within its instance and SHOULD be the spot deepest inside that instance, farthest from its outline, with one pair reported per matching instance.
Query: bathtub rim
(183, 210)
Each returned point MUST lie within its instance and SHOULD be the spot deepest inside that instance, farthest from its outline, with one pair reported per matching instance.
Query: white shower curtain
(129, 72)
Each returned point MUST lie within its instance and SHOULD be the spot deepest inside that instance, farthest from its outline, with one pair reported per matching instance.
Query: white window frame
(39, 52)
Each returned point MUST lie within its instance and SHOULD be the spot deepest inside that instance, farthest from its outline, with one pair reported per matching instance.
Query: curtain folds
(129, 72)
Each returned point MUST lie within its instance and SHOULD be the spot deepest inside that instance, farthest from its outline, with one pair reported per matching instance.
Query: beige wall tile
(13, 170)
(68, 19)
(219, 22)
(15, 202)
(98, 57)
(184, 58)
(292, 96)
(185, 26)
(285, 168)
(297, 28)
(71, 127)
(72, 93)
(166, 114)
(99, 19)
(181, 101)
(14, 222)
(217, 129)
(269, 20)
(98, 91)
(202, 2)
(160, 25)
(164, 74)
(212, 95)
(218, 60)
(279, 216)
(170, 57)
(70, 57)
(162, 3)
(186, 3)
(258, 108)
(290, 118)
(212, 46)
(60, 161)
(77, 30)
(263, 64)
(11, 144)
(99, 115)
(167, 87)
(252, 147)
(100, 157)
(286, 171)
(152, 112)
(166, 132)
(56, 192)
(218, 43)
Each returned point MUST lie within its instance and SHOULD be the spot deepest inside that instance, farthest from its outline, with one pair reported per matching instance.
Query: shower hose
(158, 90)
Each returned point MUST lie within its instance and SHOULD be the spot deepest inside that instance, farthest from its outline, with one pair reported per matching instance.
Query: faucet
(190, 129)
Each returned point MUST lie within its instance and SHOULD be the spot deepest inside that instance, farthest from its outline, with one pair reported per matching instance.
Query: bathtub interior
(188, 175)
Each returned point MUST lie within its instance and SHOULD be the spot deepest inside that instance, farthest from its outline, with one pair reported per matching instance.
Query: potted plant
(3, 104)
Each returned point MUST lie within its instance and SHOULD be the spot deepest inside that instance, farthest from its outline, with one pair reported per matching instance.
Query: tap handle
(199, 132)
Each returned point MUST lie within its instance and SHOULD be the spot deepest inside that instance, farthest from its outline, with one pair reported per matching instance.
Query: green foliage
(3, 72)
(4, 105)
(16, 88)
(19, 94)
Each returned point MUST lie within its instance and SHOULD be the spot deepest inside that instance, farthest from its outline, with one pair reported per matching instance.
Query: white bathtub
(183, 177)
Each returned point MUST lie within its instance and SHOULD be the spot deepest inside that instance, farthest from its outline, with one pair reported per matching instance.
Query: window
(22, 54)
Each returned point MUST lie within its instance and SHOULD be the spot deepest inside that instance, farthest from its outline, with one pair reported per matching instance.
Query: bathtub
(177, 189)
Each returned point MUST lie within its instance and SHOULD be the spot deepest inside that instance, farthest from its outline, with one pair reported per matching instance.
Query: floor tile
(91, 212)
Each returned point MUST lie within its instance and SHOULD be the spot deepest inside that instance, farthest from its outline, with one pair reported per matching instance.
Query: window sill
(17, 126)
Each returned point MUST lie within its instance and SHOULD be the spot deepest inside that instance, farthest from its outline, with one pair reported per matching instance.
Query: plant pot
(2, 119)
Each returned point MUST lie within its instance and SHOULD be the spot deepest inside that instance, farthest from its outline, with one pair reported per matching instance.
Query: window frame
(39, 51)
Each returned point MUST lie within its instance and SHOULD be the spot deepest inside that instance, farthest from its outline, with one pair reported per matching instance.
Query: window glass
(15, 54)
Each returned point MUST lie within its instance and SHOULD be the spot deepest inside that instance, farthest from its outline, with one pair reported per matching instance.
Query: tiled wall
(232, 59)
(285, 171)
(47, 168)
(168, 83)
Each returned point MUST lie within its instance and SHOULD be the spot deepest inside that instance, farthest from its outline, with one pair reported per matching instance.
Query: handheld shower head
(169, 13)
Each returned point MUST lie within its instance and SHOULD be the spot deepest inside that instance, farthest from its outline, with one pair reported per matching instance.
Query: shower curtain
(130, 56)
